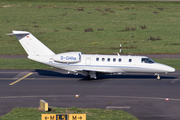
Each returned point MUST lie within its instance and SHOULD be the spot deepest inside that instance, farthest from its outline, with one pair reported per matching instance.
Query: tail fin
(31, 44)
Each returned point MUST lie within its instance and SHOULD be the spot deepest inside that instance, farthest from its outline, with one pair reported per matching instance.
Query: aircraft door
(88, 61)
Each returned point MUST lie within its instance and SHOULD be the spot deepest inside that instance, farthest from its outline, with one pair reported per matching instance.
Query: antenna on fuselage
(120, 48)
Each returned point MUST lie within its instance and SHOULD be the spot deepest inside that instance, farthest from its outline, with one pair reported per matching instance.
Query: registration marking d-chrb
(21, 78)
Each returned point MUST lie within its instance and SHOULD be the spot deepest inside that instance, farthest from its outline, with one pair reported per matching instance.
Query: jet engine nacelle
(68, 57)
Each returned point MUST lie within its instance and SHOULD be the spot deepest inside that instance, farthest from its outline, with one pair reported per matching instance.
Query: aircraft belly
(105, 69)
(76, 67)
(141, 69)
(65, 67)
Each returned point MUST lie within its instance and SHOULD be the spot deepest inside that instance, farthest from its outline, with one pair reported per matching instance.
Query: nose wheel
(158, 77)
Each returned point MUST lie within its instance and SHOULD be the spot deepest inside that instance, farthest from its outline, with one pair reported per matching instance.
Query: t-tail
(31, 44)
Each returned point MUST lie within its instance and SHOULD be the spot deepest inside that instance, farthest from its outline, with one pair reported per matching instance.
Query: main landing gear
(92, 75)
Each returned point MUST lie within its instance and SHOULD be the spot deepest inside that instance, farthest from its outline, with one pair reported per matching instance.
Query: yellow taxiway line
(21, 78)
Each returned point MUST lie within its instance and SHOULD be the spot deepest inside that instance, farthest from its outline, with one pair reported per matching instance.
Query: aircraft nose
(165, 68)
(172, 69)
(169, 69)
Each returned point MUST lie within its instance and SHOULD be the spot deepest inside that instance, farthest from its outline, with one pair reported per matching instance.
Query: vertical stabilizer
(31, 44)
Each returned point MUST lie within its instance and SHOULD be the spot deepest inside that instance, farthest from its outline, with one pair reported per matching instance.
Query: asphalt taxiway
(139, 94)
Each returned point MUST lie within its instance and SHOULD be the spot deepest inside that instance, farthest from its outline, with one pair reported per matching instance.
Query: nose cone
(170, 69)
(165, 68)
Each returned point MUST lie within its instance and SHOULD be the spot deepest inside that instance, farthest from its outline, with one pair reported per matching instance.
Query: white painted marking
(95, 96)
(9, 72)
(133, 97)
(118, 107)
(37, 96)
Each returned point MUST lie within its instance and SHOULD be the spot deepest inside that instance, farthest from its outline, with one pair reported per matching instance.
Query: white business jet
(88, 64)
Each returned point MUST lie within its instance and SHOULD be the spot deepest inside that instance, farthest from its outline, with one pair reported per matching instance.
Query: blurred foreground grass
(91, 114)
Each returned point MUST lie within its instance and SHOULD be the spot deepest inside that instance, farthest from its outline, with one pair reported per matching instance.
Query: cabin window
(103, 59)
(108, 59)
(130, 60)
(79, 56)
(114, 59)
(119, 59)
(147, 60)
(97, 59)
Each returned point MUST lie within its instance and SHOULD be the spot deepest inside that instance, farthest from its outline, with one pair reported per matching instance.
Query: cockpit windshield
(147, 60)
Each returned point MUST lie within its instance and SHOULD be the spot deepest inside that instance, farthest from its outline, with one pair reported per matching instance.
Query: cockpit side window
(147, 60)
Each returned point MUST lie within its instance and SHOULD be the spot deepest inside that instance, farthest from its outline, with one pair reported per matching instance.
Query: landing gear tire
(91, 78)
(158, 77)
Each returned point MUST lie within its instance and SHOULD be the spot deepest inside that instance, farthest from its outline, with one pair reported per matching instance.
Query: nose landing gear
(158, 77)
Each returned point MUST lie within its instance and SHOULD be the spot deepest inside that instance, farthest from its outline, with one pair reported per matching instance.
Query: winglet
(18, 32)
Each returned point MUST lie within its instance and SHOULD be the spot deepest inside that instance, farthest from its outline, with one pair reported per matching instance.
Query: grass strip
(92, 27)
(91, 114)
(173, 62)
(21, 63)
(24, 63)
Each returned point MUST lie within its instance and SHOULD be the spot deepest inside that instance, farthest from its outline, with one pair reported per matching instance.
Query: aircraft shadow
(138, 76)
(125, 77)
(52, 73)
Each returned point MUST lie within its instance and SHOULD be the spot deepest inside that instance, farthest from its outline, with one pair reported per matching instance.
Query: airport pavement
(139, 94)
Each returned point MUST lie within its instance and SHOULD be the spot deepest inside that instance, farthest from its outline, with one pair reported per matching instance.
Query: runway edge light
(77, 96)
(167, 99)
(43, 105)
